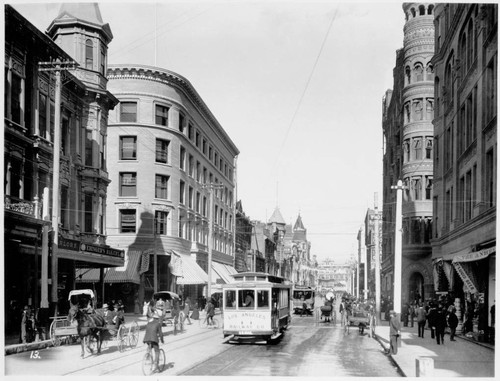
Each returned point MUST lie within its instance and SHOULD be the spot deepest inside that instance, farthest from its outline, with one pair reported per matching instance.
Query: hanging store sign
(465, 278)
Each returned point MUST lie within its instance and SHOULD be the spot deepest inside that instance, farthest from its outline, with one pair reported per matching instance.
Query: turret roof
(277, 217)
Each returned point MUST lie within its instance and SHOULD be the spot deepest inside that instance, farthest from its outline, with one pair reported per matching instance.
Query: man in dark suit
(394, 331)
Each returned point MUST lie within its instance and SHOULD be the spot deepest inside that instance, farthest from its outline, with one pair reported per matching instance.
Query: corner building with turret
(408, 112)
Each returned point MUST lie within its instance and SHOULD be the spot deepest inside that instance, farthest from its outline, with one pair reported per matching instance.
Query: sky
(297, 86)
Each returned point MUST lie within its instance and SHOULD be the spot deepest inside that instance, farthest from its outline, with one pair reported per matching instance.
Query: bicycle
(148, 361)
(205, 324)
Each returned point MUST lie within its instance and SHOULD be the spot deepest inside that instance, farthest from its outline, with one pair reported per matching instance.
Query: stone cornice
(172, 79)
(422, 89)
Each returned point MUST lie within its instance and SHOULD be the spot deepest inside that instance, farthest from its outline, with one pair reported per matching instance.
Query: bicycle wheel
(161, 361)
(203, 323)
(147, 364)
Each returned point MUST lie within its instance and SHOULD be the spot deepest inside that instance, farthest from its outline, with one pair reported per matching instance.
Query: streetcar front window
(246, 299)
(230, 299)
(263, 299)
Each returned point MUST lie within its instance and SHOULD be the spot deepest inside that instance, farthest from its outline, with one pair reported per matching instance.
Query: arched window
(430, 10)
(429, 71)
(406, 151)
(413, 13)
(408, 75)
(428, 149)
(463, 54)
(417, 145)
(429, 109)
(419, 72)
(421, 10)
(89, 54)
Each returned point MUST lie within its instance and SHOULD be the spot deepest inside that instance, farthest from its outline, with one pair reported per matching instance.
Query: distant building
(334, 277)
(243, 238)
(465, 162)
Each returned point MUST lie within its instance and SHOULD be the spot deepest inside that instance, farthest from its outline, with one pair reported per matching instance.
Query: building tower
(417, 144)
(409, 152)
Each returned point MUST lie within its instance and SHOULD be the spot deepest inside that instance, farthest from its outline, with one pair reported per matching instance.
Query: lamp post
(398, 252)
(376, 217)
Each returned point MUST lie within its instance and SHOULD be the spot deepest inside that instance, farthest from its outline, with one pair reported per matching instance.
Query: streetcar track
(250, 348)
(133, 352)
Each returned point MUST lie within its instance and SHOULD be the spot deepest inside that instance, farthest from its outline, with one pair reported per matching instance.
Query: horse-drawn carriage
(89, 325)
(327, 310)
(173, 315)
(362, 317)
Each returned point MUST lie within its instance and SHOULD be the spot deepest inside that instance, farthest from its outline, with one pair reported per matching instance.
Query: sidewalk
(463, 357)
(129, 317)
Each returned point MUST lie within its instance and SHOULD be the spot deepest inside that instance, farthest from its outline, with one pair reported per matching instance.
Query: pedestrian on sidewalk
(412, 314)
(394, 331)
(440, 323)
(405, 313)
(431, 318)
(187, 307)
(421, 317)
(452, 323)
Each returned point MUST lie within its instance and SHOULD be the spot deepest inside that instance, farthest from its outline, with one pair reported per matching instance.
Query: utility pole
(210, 188)
(398, 251)
(376, 218)
(57, 67)
(155, 259)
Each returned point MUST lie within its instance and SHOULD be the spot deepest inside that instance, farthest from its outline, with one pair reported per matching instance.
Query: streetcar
(301, 295)
(256, 307)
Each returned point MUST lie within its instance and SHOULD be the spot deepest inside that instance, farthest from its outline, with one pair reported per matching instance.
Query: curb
(388, 353)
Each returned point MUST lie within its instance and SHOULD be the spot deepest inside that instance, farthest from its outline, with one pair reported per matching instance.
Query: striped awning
(129, 273)
(224, 271)
(192, 273)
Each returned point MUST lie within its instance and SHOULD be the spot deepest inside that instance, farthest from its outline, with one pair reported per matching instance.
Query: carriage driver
(153, 334)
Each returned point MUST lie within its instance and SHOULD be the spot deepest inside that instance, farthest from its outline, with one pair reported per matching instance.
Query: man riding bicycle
(154, 334)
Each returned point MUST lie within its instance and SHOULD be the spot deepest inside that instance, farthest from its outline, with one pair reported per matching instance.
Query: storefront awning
(191, 272)
(224, 271)
(129, 273)
(474, 256)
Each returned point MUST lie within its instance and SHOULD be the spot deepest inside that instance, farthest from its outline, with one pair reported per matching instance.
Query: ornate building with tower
(408, 156)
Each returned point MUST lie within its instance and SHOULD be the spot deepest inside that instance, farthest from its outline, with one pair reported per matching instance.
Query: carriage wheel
(121, 337)
(133, 334)
(56, 340)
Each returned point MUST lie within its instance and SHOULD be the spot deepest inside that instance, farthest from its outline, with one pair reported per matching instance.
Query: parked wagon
(362, 317)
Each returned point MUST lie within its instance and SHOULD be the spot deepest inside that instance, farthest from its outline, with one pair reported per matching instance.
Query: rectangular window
(204, 211)
(210, 153)
(190, 197)
(162, 151)
(190, 132)
(230, 299)
(52, 120)
(182, 190)
(89, 150)
(197, 139)
(16, 95)
(128, 112)
(128, 221)
(180, 226)
(263, 299)
(198, 171)
(161, 218)
(42, 115)
(128, 147)
(468, 196)
(204, 147)
(428, 188)
(161, 188)
(128, 184)
(246, 299)
(181, 123)
(490, 85)
(198, 202)
(100, 215)
(161, 115)
(490, 178)
(65, 136)
(191, 166)
(103, 63)
(88, 213)
(182, 159)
